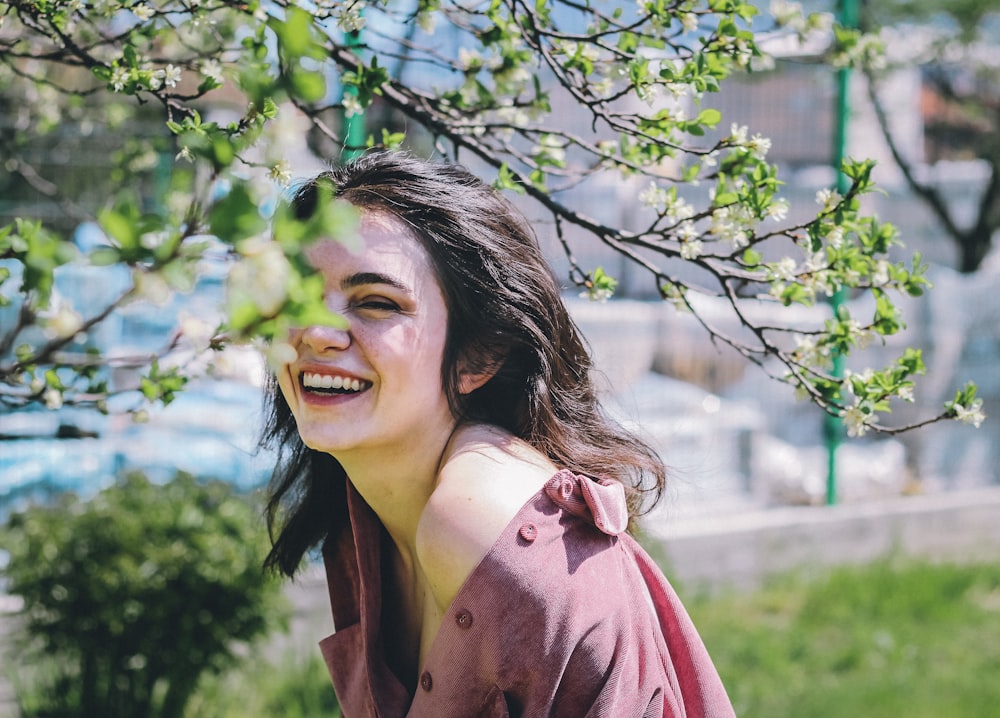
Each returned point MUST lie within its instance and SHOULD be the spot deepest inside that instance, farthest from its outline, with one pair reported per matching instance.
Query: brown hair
(504, 308)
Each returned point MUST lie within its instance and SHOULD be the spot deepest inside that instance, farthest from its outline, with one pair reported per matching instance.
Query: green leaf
(129, 55)
(709, 116)
(105, 256)
(308, 86)
(293, 32)
(223, 152)
(236, 216)
(122, 229)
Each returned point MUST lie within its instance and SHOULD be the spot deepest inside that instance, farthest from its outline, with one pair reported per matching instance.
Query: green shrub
(130, 597)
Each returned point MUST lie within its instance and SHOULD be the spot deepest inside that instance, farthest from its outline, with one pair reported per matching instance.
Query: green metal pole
(833, 426)
(355, 135)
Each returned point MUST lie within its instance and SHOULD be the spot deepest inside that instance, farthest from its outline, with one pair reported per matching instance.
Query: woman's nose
(320, 338)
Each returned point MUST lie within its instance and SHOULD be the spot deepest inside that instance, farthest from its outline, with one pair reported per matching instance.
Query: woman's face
(376, 385)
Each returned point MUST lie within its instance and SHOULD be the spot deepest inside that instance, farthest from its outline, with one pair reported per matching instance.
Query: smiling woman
(447, 452)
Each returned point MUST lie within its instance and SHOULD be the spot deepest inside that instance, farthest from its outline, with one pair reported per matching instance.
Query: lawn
(894, 638)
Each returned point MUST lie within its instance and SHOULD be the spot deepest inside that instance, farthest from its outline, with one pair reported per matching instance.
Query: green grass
(889, 639)
(288, 687)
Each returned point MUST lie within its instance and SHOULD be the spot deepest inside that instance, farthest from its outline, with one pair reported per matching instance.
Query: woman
(439, 449)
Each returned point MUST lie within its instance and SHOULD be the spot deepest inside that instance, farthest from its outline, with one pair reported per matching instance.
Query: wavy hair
(504, 310)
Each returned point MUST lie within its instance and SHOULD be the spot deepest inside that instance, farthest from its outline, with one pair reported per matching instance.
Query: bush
(130, 597)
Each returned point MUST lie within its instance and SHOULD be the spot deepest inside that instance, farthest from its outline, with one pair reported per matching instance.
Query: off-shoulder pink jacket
(565, 616)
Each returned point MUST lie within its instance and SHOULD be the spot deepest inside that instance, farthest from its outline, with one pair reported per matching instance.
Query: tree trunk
(973, 246)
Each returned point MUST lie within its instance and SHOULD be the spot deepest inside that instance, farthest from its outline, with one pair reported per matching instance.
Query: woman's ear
(468, 381)
(478, 367)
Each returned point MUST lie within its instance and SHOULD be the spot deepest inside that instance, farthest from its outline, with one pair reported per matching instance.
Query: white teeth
(312, 380)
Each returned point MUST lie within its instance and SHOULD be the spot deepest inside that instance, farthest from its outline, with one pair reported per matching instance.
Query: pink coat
(565, 616)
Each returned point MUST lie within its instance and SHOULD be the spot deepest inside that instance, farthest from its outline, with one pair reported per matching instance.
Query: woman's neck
(396, 482)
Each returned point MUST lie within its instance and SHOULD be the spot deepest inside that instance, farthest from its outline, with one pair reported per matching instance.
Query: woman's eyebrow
(362, 278)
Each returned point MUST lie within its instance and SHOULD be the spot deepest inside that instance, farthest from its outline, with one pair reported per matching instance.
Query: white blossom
(171, 75)
(653, 196)
(602, 87)
(551, 148)
(866, 375)
(743, 52)
(151, 287)
(142, 11)
(513, 76)
(469, 59)
(195, 331)
(280, 354)
(469, 92)
(678, 89)
(880, 277)
(810, 353)
(778, 209)
(53, 398)
(862, 337)
(689, 21)
(675, 295)
(816, 262)
(261, 277)
(281, 172)
(857, 419)
(590, 52)
(687, 231)
(119, 78)
(427, 22)
(212, 70)
(691, 248)
(972, 414)
(905, 393)
(352, 105)
(63, 322)
(563, 47)
(759, 146)
(828, 198)
(678, 209)
(783, 269)
(597, 294)
(786, 13)
(152, 240)
(732, 224)
(349, 17)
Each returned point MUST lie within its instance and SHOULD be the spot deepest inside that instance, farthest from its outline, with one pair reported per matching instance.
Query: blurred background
(749, 529)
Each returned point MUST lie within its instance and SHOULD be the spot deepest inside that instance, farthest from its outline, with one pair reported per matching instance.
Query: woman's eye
(378, 304)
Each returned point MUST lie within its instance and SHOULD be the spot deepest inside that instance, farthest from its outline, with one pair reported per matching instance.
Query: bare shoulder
(484, 481)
